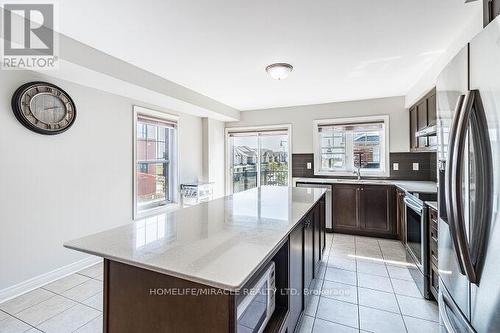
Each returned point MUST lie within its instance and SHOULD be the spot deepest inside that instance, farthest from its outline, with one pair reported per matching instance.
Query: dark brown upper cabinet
(364, 210)
(491, 9)
(431, 110)
(413, 127)
(422, 115)
(423, 123)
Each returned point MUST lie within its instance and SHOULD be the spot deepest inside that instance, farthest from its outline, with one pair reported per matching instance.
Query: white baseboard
(43, 279)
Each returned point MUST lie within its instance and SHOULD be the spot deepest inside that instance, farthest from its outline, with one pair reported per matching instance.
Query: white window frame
(254, 130)
(384, 144)
(174, 204)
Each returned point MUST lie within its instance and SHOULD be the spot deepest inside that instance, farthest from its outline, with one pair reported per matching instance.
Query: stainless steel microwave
(255, 310)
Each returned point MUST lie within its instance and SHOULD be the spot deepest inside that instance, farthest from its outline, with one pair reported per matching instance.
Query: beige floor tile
(13, 325)
(66, 283)
(324, 326)
(415, 325)
(378, 299)
(40, 312)
(340, 291)
(339, 312)
(401, 273)
(342, 263)
(24, 301)
(379, 321)
(84, 290)
(95, 301)
(93, 271)
(340, 275)
(94, 326)
(372, 268)
(374, 282)
(3, 315)
(69, 320)
(406, 288)
(419, 308)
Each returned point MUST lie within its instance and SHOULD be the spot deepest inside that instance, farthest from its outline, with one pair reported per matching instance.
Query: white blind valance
(354, 127)
(156, 121)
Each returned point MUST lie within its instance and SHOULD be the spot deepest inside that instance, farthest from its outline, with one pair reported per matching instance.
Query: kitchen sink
(363, 181)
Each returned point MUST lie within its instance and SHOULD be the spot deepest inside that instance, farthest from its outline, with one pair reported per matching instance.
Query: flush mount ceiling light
(279, 71)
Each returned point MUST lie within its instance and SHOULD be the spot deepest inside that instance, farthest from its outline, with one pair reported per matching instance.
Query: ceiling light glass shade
(279, 71)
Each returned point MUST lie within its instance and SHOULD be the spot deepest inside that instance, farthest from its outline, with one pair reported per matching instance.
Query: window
(343, 145)
(257, 157)
(155, 176)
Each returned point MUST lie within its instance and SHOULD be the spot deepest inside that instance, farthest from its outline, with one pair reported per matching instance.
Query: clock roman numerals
(43, 108)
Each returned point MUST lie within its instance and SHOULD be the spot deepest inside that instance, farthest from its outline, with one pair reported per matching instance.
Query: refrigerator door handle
(446, 304)
(460, 236)
(450, 166)
(483, 202)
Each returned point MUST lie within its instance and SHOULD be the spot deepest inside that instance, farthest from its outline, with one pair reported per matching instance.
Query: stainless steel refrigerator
(468, 97)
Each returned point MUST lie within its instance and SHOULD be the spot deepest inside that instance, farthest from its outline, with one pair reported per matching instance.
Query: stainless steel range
(417, 240)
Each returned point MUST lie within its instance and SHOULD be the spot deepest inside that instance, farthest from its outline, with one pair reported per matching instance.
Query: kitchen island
(185, 271)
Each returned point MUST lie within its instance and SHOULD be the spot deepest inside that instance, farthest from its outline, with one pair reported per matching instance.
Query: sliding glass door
(273, 159)
(244, 164)
(258, 158)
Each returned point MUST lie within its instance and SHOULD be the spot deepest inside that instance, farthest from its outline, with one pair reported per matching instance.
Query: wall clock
(43, 108)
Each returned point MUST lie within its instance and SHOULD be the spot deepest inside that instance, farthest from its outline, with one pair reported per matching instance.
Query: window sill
(157, 210)
(351, 174)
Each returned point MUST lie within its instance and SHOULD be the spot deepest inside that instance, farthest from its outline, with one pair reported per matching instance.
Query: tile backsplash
(426, 166)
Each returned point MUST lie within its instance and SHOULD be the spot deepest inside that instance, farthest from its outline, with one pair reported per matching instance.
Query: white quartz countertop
(220, 243)
(405, 185)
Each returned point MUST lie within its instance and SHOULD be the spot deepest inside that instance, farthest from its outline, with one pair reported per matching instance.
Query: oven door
(414, 231)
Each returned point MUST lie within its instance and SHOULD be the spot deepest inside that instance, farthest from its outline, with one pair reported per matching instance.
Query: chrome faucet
(358, 171)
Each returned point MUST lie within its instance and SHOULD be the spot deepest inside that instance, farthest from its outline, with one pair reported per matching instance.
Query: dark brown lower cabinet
(317, 237)
(322, 225)
(296, 277)
(345, 212)
(308, 251)
(364, 209)
(375, 208)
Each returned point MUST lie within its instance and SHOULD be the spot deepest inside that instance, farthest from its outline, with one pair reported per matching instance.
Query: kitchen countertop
(220, 243)
(432, 204)
(405, 185)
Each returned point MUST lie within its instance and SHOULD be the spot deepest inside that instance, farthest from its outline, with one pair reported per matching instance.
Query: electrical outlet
(395, 166)
(309, 165)
(415, 166)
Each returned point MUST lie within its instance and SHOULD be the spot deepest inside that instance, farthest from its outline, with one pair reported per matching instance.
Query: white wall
(56, 188)
(301, 118)
(428, 79)
(213, 154)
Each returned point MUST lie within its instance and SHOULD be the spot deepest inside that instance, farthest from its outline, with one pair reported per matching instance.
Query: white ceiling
(341, 50)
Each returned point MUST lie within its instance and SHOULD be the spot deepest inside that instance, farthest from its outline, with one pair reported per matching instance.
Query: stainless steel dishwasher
(328, 200)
